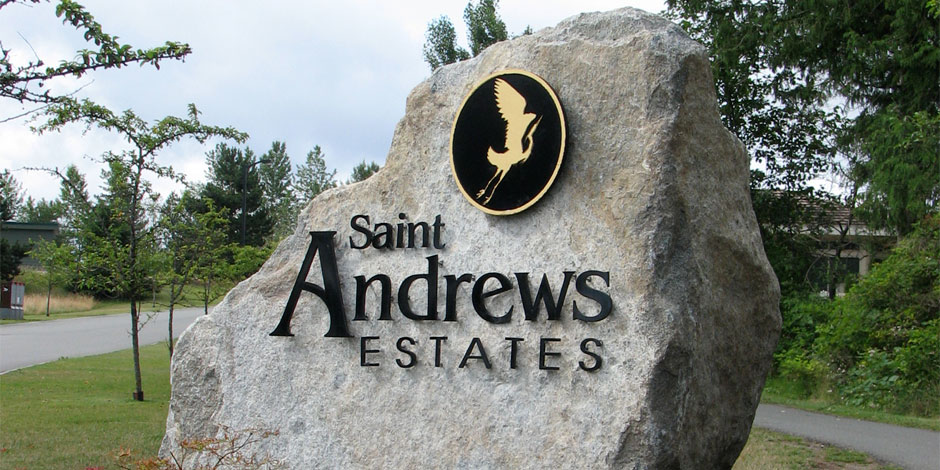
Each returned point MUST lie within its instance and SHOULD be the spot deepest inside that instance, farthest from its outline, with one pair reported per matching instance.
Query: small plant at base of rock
(230, 451)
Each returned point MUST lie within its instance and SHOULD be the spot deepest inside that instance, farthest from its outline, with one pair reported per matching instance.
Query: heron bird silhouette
(520, 126)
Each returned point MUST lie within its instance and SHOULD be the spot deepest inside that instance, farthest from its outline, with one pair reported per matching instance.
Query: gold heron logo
(508, 142)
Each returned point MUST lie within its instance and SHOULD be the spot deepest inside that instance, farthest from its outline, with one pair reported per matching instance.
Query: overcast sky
(333, 74)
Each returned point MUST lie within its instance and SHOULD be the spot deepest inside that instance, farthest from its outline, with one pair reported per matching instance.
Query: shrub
(883, 338)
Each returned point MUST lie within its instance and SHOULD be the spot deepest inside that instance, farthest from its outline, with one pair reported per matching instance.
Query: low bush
(879, 346)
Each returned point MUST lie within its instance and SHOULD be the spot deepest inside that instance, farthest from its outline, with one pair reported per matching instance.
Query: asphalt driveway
(31, 343)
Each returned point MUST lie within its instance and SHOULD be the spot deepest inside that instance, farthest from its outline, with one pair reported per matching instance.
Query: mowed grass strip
(779, 391)
(76, 413)
(768, 450)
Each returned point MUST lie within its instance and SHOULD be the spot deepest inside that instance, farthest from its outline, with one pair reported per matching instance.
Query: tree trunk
(48, 297)
(135, 346)
(170, 330)
(205, 304)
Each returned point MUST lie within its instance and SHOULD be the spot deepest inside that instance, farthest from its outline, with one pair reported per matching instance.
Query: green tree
(362, 171)
(73, 196)
(277, 185)
(10, 253)
(902, 171)
(484, 26)
(29, 83)
(233, 180)
(10, 256)
(41, 211)
(189, 239)
(58, 259)
(124, 257)
(11, 197)
(440, 44)
(313, 177)
(884, 59)
(881, 59)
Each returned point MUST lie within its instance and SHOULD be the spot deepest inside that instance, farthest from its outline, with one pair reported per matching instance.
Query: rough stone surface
(654, 190)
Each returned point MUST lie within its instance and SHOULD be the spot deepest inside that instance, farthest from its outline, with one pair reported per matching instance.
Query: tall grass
(35, 304)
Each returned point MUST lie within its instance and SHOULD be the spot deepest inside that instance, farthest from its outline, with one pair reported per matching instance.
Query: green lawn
(768, 450)
(77, 413)
(74, 413)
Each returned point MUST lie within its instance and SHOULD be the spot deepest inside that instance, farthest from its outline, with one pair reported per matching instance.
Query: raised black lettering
(400, 235)
(598, 362)
(363, 229)
(411, 354)
(386, 236)
(438, 225)
(437, 349)
(513, 342)
(362, 286)
(330, 293)
(602, 298)
(542, 297)
(425, 234)
(364, 351)
(478, 296)
(404, 304)
(450, 299)
(544, 353)
(475, 344)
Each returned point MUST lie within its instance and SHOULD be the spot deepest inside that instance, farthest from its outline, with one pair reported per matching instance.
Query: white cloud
(334, 74)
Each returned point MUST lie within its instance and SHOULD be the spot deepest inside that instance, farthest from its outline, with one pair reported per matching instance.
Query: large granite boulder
(656, 356)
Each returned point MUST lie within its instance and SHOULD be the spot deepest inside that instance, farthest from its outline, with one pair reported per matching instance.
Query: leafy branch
(27, 83)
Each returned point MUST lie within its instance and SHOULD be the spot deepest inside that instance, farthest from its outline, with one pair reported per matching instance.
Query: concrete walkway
(31, 343)
(914, 449)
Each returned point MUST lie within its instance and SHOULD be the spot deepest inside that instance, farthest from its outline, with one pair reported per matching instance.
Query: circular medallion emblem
(507, 142)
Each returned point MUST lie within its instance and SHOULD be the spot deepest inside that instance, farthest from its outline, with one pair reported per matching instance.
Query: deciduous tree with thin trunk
(118, 252)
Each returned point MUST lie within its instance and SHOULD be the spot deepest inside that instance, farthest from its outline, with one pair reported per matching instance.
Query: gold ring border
(561, 156)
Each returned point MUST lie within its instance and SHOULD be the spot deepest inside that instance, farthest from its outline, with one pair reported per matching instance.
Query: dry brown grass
(35, 304)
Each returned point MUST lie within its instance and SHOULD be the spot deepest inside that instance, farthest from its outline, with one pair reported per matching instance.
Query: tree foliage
(440, 45)
(878, 60)
(233, 179)
(73, 197)
(277, 186)
(10, 256)
(59, 260)
(192, 242)
(484, 28)
(313, 177)
(11, 196)
(362, 171)
(41, 211)
(29, 82)
(902, 171)
(119, 240)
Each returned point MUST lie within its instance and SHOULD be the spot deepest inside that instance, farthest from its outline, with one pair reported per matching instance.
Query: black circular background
(479, 126)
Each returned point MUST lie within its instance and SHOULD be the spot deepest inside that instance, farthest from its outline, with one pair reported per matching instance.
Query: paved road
(28, 344)
(915, 449)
